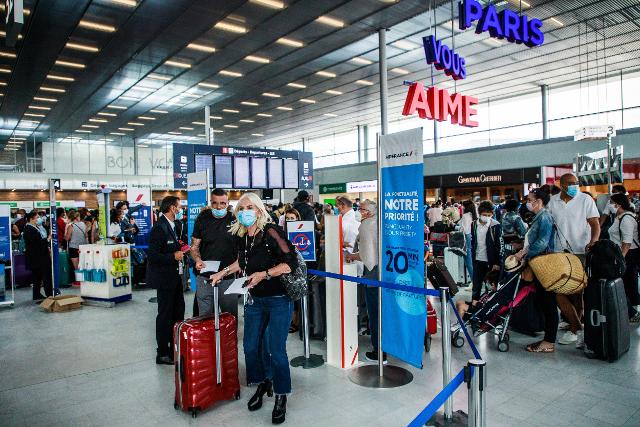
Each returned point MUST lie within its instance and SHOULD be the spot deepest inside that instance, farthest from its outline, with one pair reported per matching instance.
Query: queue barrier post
(446, 349)
(476, 384)
(308, 360)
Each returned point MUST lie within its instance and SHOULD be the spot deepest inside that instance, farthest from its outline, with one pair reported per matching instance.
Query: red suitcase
(432, 326)
(206, 361)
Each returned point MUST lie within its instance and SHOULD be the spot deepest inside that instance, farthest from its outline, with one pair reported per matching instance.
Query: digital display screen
(275, 173)
(241, 172)
(290, 173)
(223, 172)
(204, 162)
(258, 172)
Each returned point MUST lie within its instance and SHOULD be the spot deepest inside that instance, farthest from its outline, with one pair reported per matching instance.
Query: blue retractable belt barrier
(140, 247)
(376, 283)
(438, 401)
(476, 353)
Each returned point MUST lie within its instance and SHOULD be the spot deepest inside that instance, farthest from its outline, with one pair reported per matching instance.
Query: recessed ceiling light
(127, 129)
(8, 54)
(90, 126)
(161, 77)
(297, 85)
(82, 47)
(289, 42)
(130, 3)
(362, 61)
(228, 110)
(39, 107)
(333, 92)
(226, 26)
(270, 3)
(308, 101)
(231, 126)
(177, 64)
(252, 104)
(556, 21)
(40, 98)
(33, 115)
(201, 47)
(116, 133)
(69, 64)
(520, 2)
(135, 124)
(4, 34)
(198, 123)
(215, 117)
(140, 146)
(116, 107)
(246, 121)
(260, 59)
(217, 131)
(271, 95)
(257, 134)
(364, 82)
(174, 133)
(399, 71)
(284, 108)
(330, 115)
(185, 128)
(326, 74)
(96, 26)
(146, 118)
(60, 78)
(159, 111)
(191, 95)
(209, 85)
(230, 73)
(5, 70)
(52, 89)
(264, 115)
(129, 98)
(405, 45)
(101, 113)
(99, 120)
(82, 131)
(333, 22)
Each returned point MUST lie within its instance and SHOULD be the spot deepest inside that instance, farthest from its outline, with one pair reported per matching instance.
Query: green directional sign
(44, 205)
(11, 204)
(333, 188)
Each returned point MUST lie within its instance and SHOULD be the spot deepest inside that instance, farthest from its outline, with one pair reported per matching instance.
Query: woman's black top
(263, 251)
(36, 248)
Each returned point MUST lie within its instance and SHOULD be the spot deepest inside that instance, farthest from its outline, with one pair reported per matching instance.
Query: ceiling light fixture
(116, 133)
(102, 113)
(333, 92)
(127, 129)
(135, 124)
(308, 101)
(52, 89)
(231, 126)
(556, 21)
(129, 98)
(257, 134)
(226, 26)
(264, 115)
(364, 82)
(217, 131)
(96, 26)
(230, 73)
(260, 59)
(90, 126)
(159, 111)
(185, 128)
(40, 98)
(174, 133)
(130, 3)
(270, 3)
(404, 45)
(361, 61)
(215, 117)
(82, 131)
(82, 47)
(400, 71)
(146, 118)
(69, 64)
(198, 123)
(60, 78)
(330, 115)
(161, 77)
(209, 85)
(39, 107)
(333, 22)
(99, 120)
(326, 74)
(246, 121)
(8, 54)
(228, 110)
(284, 108)
(33, 115)
(177, 64)
(252, 104)
(270, 95)
(5, 70)
(4, 33)
(289, 42)
(296, 85)
(201, 47)
(116, 107)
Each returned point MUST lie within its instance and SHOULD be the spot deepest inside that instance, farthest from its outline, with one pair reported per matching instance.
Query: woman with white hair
(263, 254)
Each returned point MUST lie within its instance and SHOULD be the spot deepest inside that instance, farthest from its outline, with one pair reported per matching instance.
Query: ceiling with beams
(273, 71)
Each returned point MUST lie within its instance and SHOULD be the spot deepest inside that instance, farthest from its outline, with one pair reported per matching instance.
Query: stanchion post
(477, 385)
(446, 349)
(305, 327)
(308, 360)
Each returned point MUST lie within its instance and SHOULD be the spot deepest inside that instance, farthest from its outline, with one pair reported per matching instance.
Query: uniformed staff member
(211, 241)
(163, 273)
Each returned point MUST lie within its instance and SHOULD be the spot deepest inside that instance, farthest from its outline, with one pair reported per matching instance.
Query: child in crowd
(487, 246)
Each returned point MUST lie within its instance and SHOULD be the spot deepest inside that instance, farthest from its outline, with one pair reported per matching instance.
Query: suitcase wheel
(503, 346)
(194, 413)
(237, 395)
(458, 340)
(175, 405)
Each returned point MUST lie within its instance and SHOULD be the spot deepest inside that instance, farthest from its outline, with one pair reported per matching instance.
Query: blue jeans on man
(371, 299)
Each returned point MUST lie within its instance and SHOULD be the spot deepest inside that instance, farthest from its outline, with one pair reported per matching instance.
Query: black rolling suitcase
(439, 276)
(607, 333)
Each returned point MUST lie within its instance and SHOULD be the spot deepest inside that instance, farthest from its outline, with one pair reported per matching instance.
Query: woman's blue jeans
(468, 258)
(266, 326)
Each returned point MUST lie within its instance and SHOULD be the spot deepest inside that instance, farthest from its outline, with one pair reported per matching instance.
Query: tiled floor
(95, 366)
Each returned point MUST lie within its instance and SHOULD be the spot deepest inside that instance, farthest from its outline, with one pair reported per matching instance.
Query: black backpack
(605, 261)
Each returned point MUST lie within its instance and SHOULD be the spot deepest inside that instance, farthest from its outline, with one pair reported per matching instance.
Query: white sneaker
(568, 338)
(580, 340)
(563, 326)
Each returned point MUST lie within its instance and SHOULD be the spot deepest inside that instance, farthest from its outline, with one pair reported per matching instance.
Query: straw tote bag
(560, 272)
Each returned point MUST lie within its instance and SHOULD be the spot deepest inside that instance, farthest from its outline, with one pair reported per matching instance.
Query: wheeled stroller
(493, 311)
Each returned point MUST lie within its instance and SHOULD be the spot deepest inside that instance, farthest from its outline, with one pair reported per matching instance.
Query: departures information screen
(275, 173)
(223, 171)
(204, 162)
(241, 172)
(258, 172)
(291, 173)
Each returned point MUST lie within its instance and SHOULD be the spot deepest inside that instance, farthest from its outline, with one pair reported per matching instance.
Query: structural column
(207, 125)
(545, 113)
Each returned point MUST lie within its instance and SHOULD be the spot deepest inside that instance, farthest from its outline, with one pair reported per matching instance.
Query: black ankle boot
(255, 402)
(280, 409)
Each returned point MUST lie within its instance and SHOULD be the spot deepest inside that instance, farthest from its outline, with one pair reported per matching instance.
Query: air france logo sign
(437, 104)
(301, 235)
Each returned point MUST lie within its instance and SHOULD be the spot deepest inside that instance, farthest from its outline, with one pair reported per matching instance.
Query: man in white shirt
(577, 224)
(349, 223)
(435, 214)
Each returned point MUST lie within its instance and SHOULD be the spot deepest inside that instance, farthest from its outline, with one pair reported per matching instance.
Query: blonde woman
(263, 255)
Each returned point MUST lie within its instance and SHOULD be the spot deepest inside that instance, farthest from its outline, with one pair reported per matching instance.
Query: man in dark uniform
(164, 259)
(303, 207)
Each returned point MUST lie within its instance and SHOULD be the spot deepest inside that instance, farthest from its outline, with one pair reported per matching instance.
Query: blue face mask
(572, 190)
(179, 215)
(219, 213)
(247, 217)
(40, 221)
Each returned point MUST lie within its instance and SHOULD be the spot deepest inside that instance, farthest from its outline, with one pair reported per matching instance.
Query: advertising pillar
(197, 198)
(140, 207)
(54, 184)
(402, 204)
(5, 253)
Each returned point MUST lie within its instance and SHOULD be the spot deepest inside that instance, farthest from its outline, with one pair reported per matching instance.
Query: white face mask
(483, 219)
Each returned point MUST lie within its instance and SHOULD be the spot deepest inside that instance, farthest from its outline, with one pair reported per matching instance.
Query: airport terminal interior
(320, 212)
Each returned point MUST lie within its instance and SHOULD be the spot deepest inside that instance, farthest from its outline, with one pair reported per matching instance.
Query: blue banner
(197, 198)
(404, 314)
(5, 234)
(302, 235)
(142, 217)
